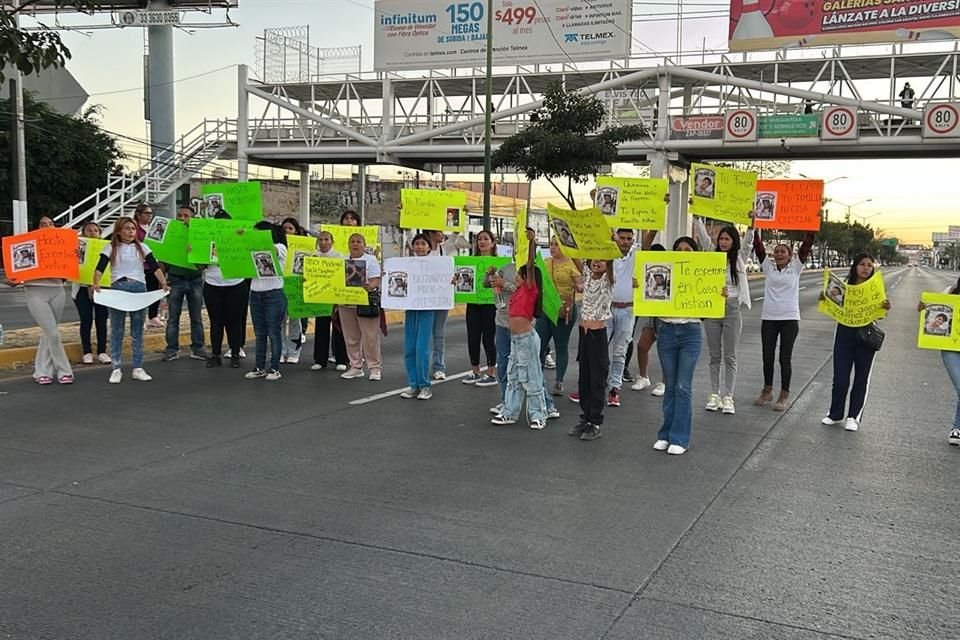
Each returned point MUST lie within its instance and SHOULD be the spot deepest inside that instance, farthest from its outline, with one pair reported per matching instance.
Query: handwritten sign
(853, 305)
(680, 284)
(550, 300)
(583, 234)
(298, 248)
(242, 200)
(246, 255)
(938, 327)
(296, 307)
(721, 193)
(90, 249)
(44, 253)
(788, 204)
(324, 282)
(203, 234)
(520, 243)
(634, 203)
(433, 210)
(473, 278)
(168, 241)
(341, 236)
(418, 283)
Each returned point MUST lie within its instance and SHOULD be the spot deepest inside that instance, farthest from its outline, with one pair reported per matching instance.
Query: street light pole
(488, 125)
(850, 207)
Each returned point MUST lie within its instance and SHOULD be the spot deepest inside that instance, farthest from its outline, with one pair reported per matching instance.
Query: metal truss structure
(284, 55)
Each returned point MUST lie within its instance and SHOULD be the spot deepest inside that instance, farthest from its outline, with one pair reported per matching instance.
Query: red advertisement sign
(696, 128)
(777, 24)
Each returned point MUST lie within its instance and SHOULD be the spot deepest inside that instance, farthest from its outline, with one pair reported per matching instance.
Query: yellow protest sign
(520, 243)
(433, 210)
(298, 248)
(90, 249)
(325, 283)
(721, 193)
(635, 203)
(853, 305)
(341, 236)
(679, 284)
(937, 327)
(583, 234)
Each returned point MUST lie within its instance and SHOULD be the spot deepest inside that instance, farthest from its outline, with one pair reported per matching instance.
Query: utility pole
(488, 128)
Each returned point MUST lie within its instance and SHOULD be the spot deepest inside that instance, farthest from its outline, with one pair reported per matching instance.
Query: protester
(327, 328)
(418, 331)
(442, 246)
(679, 341)
(780, 317)
(648, 334)
(723, 334)
(184, 283)
(226, 300)
(129, 260)
(361, 325)
(294, 329)
(350, 218)
(268, 306)
(91, 314)
(524, 374)
(951, 362)
(504, 285)
(568, 281)
(143, 215)
(481, 323)
(849, 352)
(594, 355)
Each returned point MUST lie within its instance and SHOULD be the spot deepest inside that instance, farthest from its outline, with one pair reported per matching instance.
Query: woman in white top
(128, 258)
(326, 328)
(91, 314)
(723, 334)
(226, 300)
(780, 318)
(268, 306)
(361, 331)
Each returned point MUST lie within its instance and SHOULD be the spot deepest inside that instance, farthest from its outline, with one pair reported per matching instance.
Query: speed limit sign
(740, 125)
(941, 121)
(839, 123)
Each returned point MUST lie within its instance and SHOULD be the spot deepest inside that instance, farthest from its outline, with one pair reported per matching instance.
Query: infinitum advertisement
(427, 34)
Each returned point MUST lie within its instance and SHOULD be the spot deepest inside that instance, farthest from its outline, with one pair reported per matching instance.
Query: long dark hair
(956, 288)
(852, 276)
(298, 230)
(476, 243)
(279, 235)
(538, 278)
(687, 240)
(733, 253)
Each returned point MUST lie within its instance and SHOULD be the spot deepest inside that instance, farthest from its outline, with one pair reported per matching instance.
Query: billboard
(425, 34)
(696, 127)
(776, 24)
(50, 6)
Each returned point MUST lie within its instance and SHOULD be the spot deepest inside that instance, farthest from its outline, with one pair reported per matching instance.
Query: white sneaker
(341, 367)
(242, 353)
(116, 376)
(439, 375)
(549, 362)
(88, 358)
(852, 424)
(352, 373)
(641, 384)
(502, 420)
(331, 360)
(496, 409)
(661, 445)
(659, 390)
(713, 402)
(104, 359)
(316, 367)
(728, 407)
(141, 375)
(553, 413)
(229, 354)
(425, 394)
(538, 425)
(411, 392)
(676, 450)
(828, 421)
(293, 359)
(375, 376)
(954, 437)
(273, 374)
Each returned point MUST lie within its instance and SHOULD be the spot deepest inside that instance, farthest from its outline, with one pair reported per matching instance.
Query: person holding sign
(678, 346)
(327, 328)
(184, 283)
(294, 329)
(89, 311)
(780, 317)
(226, 300)
(723, 334)
(143, 215)
(45, 300)
(481, 325)
(129, 261)
(362, 332)
(443, 246)
(568, 280)
(524, 374)
(951, 359)
(850, 352)
(417, 333)
(268, 305)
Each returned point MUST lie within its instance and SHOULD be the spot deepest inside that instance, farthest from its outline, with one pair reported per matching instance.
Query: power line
(141, 87)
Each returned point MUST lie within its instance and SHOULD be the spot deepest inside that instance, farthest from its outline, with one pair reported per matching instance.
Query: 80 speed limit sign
(941, 121)
(839, 123)
(740, 125)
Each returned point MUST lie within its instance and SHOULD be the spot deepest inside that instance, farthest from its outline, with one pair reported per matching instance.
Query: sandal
(67, 379)
(44, 380)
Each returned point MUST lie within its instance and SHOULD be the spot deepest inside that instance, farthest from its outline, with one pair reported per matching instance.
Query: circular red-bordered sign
(741, 133)
(942, 128)
(846, 127)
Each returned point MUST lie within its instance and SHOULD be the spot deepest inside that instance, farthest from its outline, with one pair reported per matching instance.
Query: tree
(35, 50)
(68, 158)
(565, 140)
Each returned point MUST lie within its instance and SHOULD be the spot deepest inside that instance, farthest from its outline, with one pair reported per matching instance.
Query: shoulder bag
(871, 336)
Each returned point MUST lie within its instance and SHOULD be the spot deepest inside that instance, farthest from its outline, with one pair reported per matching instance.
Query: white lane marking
(396, 392)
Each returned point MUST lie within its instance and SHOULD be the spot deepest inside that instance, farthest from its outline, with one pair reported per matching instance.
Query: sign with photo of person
(788, 204)
(473, 278)
(341, 236)
(325, 282)
(298, 248)
(242, 200)
(583, 234)
(418, 283)
(89, 255)
(634, 203)
(202, 237)
(938, 329)
(168, 240)
(679, 284)
(250, 254)
(433, 210)
(296, 307)
(44, 253)
(722, 194)
(852, 305)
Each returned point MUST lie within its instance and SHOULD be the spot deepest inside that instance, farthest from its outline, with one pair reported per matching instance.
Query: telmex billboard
(53, 6)
(775, 24)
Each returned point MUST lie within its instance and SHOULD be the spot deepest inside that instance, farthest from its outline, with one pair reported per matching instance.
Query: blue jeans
(619, 333)
(503, 358)
(417, 333)
(560, 333)
(439, 331)
(192, 290)
(525, 376)
(117, 321)
(267, 309)
(678, 346)
(292, 338)
(951, 360)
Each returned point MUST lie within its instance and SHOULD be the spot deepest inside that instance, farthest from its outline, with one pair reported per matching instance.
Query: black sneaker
(578, 429)
(214, 361)
(592, 433)
(170, 356)
(627, 376)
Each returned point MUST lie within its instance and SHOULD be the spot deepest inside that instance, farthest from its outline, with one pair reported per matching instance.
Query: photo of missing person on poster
(397, 281)
(453, 218)
(564, 234)
(656, 282)
(607, 198)
(81, 250)
(835, 290)
(24, 255)
(297, 266)
(157, 229)
(356, 273)
(765, 207)
(263, 260)
(938, 320)
(704, 183)
(466, 280)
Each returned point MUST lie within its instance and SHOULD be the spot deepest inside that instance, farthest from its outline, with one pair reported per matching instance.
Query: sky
(908, 199)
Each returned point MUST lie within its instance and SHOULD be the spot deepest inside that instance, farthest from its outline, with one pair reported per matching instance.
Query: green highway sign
(789, 126)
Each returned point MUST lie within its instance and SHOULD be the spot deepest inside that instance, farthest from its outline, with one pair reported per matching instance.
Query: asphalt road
(202, 505)
(14, 313)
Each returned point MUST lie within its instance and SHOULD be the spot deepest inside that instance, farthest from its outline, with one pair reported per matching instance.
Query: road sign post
(839, 123)
(941, 121)
(740, 125)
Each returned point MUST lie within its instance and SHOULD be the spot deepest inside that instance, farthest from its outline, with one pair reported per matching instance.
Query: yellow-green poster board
(721, 193)
(433, 210)
(90, 249)
(341, 236)
(938, 327)
(853, 305)
(325, 283)
(633, 203)
(583, 234)
(298, 248)
(679, 284)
